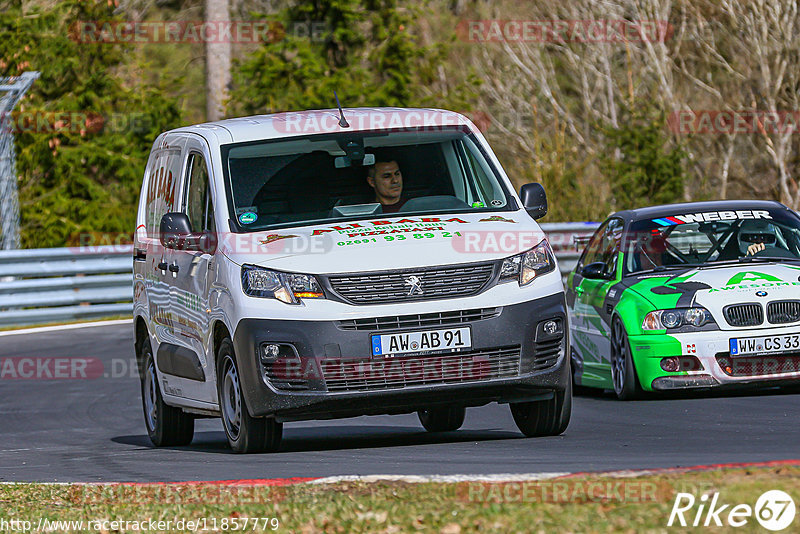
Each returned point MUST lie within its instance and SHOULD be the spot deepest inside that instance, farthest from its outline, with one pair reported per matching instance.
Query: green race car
(693, 295)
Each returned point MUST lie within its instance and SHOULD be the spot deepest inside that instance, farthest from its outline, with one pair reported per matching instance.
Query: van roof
(299, 123)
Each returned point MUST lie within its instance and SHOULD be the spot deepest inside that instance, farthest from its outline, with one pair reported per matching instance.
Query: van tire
(166, 425)
(246, 434)
(443, 419)
(545, 417)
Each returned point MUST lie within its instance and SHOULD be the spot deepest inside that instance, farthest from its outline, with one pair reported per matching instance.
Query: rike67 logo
(774, 510)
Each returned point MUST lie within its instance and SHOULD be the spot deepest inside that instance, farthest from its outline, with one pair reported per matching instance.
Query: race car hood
(714, 288)
(388, 242)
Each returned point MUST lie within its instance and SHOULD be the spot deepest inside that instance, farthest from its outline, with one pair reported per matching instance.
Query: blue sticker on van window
(248, 217)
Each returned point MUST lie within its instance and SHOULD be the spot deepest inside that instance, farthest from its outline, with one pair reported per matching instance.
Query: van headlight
(676, 318)
(286, 287)
(527, 266)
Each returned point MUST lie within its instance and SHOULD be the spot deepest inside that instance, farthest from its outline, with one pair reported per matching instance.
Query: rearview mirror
(534, 200)
(594, 271)
(342, 162)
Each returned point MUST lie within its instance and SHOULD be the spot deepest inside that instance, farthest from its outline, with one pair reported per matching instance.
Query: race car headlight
(527, 266)
(676, 318)
(286, 287)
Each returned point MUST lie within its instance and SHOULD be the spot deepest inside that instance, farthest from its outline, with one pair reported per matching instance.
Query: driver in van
(387, 181)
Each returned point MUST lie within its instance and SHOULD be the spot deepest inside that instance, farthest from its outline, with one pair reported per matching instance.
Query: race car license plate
(423, 341)
(748, 346)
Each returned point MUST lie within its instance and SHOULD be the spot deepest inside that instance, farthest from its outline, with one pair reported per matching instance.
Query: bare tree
(218, 61)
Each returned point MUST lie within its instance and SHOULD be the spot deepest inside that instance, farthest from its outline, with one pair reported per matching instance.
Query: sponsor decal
(751, 276)
(478, 204)
(691, 348)
(271, 238)
(497, 218)
(712, 216)
(747, 287)
(386, 227)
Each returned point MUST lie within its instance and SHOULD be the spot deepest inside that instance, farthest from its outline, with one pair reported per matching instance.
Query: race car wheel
(623, 372)
(166, 425)
(246, 434)
(445, 419)
(546, 417)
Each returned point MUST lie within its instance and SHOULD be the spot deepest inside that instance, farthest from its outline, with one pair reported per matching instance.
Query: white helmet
(755, 231)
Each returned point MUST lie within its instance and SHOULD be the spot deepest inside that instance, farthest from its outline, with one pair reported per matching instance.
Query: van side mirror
(176, 233)
(174, 230)
(595, 271)
(534, 200)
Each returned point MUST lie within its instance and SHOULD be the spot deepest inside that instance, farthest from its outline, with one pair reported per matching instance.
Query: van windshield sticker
(424, 224)
(248, 217)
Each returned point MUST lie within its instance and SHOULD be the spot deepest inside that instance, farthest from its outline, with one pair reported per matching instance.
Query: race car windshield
(713, 237)
(353, 176)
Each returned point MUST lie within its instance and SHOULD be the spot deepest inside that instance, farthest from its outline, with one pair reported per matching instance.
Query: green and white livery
(685, 296)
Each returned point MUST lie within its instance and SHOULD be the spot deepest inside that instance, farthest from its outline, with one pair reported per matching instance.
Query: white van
(327, 264)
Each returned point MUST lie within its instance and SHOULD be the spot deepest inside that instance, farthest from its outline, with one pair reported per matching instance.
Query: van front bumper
(325, 369)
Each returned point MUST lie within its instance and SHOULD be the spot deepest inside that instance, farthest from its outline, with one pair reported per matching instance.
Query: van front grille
(397, 322)
(365, 374)
(413, 285)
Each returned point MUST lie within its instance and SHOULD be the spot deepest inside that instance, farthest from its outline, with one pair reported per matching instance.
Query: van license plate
(424, 341)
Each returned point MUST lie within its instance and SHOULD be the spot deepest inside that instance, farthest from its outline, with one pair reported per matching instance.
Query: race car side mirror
(534, 200)
(594, 271)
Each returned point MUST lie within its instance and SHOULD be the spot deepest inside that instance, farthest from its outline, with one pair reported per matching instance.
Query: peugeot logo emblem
(761, 293)
(415, 285)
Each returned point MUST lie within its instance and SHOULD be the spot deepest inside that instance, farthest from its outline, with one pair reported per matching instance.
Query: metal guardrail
(40, 286)
(64, 284)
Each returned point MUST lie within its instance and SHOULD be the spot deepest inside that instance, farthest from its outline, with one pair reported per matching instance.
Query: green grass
(62, 323)
(412, 507)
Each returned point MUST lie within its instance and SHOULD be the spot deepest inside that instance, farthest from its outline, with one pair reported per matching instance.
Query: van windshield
(351, 176)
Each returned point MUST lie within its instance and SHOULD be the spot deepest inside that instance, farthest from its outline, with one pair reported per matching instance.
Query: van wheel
(445, 419)
(246, 434)
(166, 425)
(546, 417)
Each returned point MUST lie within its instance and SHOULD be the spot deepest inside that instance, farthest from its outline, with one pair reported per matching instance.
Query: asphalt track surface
(92, 430)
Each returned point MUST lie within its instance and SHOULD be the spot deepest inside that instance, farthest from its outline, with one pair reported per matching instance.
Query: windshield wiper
(662, 268)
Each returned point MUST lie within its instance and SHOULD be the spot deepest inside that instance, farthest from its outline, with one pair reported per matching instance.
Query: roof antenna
(342, 121)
